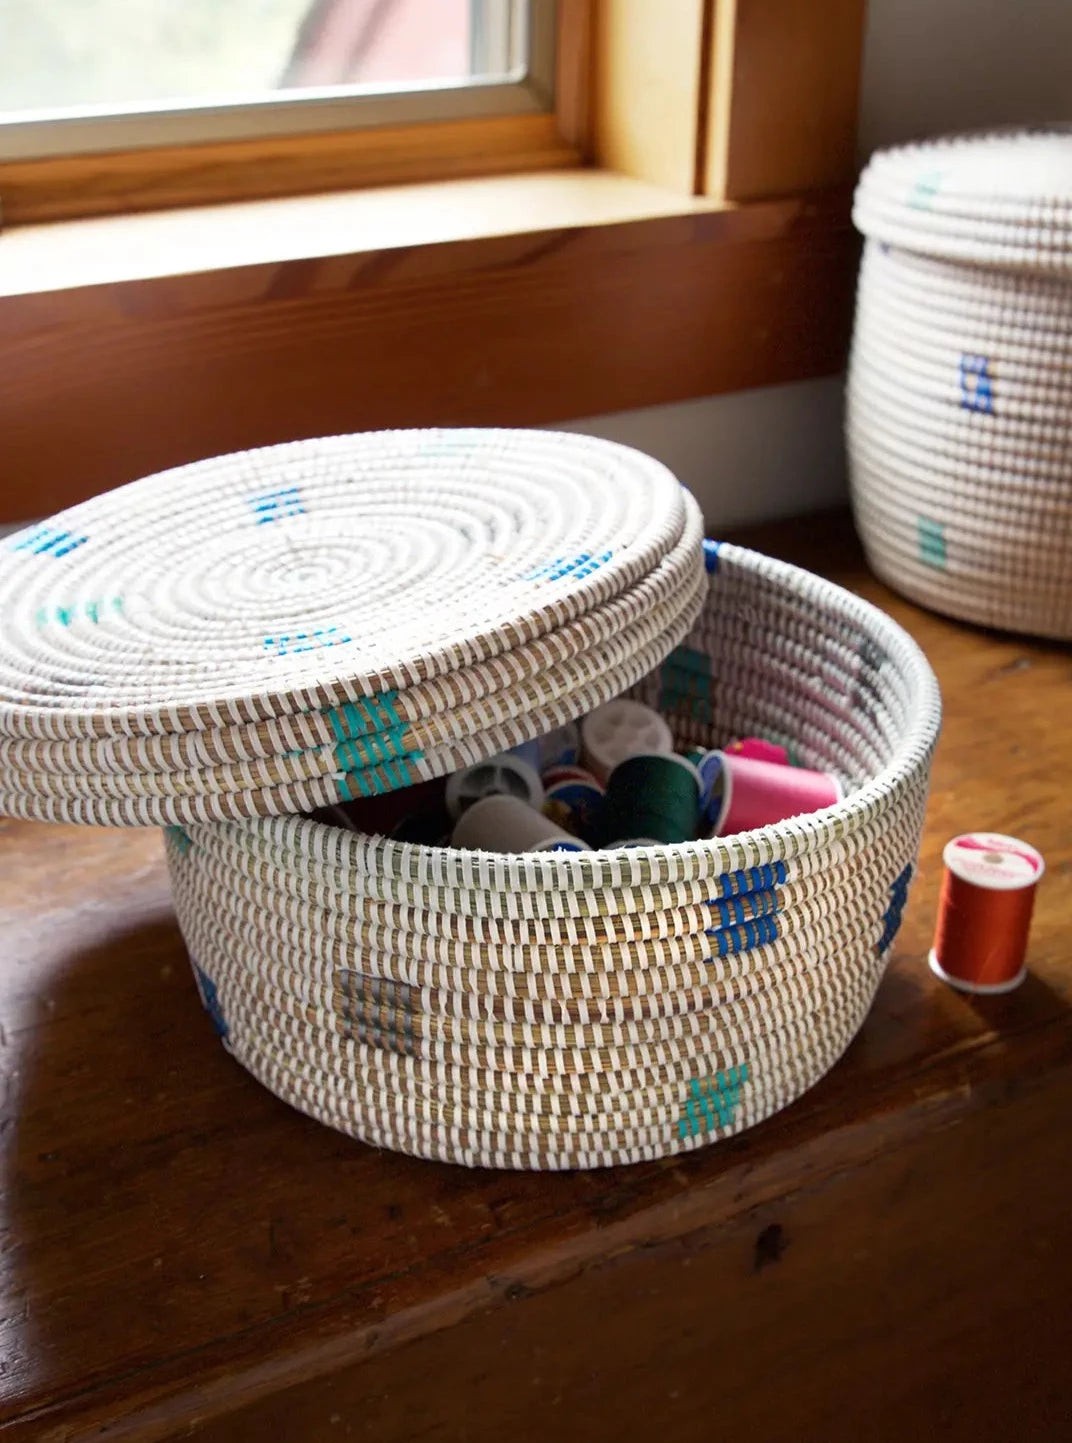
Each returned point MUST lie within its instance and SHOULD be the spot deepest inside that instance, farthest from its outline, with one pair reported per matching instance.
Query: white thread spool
(505, 775)
(622, 729)
(507, 824)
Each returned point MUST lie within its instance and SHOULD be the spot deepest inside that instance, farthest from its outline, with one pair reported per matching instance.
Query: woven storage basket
(959, 422)
(272, 631)
(576, 1010)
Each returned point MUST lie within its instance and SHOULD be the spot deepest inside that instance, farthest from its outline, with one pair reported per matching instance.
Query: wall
(929, 66)
(748, 456)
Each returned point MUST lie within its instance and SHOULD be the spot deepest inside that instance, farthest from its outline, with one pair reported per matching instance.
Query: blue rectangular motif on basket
(924, 190)
(370, 714)
(305, 641)
(743, 936)
(277, 505)
(751, 879)
(372, 781)
(976, 384)
(743, 907)
(891, 920)
(47, 541)
(576, 567)
(210, 1000)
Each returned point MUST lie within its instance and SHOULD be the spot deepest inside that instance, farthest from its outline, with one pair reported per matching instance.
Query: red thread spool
(984, 915)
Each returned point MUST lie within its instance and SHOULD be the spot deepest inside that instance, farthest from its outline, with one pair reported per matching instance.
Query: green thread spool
(652, 797)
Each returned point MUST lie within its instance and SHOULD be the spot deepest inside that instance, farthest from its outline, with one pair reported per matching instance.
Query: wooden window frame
(683, 231)
(274, 163)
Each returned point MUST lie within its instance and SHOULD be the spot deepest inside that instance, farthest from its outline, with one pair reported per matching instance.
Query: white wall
(929, 66)
(938, 65)
(748, 456)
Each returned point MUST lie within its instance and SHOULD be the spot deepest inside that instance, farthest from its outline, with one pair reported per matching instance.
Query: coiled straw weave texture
(577, 1010)
(960, 385)
(272, 631)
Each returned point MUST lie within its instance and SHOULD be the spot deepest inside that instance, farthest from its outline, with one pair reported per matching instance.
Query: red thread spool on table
(984, 914)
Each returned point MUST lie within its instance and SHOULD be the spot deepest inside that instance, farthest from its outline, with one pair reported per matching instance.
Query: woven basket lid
(317, 573)
(1001, 199)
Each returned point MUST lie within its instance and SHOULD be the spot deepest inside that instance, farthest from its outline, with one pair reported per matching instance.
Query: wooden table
(183, 1256)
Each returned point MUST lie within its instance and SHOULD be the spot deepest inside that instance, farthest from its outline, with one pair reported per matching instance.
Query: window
(89, 76)
(707, 247)
(114, 106)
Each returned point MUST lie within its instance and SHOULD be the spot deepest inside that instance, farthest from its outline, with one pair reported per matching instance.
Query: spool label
(993, 860)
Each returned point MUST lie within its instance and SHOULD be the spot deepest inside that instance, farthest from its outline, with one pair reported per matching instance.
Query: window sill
(114, 250)
(133, 343)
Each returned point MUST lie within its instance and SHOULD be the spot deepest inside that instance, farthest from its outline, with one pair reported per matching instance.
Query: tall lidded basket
(959, 422)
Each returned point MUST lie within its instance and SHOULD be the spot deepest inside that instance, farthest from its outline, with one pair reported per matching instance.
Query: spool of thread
(507, 824)
(740, 792)
(505, 775)
(709, 767)
(652, 799)
(984, 913)
(621, 729)
(759, 749)
(572, 798)
(568, 772)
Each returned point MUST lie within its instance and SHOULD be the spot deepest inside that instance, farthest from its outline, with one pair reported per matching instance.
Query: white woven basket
(960, 384)
(269, 632)
(557, 1011)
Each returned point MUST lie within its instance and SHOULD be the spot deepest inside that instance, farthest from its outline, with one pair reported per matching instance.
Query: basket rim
(687, 860)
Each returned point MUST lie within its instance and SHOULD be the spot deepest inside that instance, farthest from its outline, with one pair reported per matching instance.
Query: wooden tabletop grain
(183, 1255)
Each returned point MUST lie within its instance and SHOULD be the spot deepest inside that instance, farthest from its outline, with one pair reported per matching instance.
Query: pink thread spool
(748, 792)
(760, 749)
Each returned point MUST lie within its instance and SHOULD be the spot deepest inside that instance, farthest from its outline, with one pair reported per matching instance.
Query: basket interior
(779, 662)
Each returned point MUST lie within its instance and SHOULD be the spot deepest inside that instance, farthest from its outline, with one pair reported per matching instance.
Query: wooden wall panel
(784, 98)
(105, 383)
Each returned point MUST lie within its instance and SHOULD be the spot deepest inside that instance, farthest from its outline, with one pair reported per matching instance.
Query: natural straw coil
(561, 1011)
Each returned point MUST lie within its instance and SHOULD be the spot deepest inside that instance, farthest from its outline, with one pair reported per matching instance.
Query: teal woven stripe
(388, 776)
(368, 751)
(686, 658)
(371, 715)
(712, 1102)
(78, 611)
(685, 683)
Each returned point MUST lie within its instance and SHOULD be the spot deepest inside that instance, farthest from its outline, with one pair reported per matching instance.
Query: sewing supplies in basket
(501, 823)
(984, 913)
(571, 797)
(621, 729)
(959, 398)
(742, 790)
(651, 798)
(511, 774)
